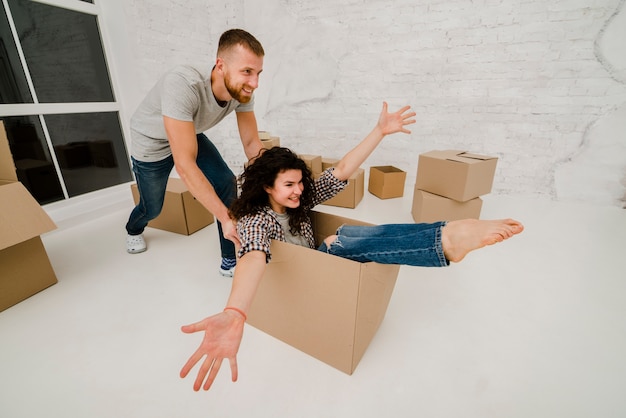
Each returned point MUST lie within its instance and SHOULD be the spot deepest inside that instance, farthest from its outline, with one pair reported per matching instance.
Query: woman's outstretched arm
(388, 123)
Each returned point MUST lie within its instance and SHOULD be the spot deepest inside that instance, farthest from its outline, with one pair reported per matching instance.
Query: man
(166, 131)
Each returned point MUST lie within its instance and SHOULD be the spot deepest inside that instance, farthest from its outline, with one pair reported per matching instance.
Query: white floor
(534, 327)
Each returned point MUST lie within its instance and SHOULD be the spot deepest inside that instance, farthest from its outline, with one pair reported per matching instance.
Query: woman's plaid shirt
(256, 231)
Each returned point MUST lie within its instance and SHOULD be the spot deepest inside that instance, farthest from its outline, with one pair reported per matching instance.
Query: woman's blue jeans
(152, 178)
(407, 244)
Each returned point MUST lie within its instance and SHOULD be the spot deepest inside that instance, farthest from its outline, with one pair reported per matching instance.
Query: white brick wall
(539, 84)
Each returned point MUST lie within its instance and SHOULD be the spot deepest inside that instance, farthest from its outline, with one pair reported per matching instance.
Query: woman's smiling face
(286, 191)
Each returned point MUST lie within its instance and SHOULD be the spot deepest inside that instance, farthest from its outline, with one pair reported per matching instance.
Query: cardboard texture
(181, 213)
(323, 305)
(458, 175)
(352, 194)
(428, 207)
(386, 182)
(313, 162)
(26, 269)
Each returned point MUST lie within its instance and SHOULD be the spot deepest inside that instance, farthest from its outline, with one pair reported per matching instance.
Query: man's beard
(236, 93)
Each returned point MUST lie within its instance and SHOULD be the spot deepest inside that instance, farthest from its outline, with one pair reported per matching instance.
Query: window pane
(32, 158)
(63, 53)
(13, 85)
(90, 150)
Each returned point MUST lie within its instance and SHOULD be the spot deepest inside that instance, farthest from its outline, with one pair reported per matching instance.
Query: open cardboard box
(25, 267)
(181, 212)
(386, 181)
(458, 175)
(326, 306)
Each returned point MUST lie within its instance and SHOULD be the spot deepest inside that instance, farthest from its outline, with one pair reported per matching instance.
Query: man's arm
(249, 133)
(184, 145)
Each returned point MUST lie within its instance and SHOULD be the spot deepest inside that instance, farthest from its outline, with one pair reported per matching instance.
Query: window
(57, 101)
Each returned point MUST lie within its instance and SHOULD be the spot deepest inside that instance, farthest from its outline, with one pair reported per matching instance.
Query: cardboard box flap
(21, 217)
(7, 166)
(377, 284)
(468, 158)
(476, 156)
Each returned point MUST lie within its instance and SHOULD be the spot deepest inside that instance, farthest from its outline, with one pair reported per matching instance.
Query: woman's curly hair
(262, 173)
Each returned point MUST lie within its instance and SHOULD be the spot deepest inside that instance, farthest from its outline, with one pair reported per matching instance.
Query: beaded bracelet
(242, 313)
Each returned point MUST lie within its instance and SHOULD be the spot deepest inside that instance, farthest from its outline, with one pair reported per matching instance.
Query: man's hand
(222, 337)
(230, 232)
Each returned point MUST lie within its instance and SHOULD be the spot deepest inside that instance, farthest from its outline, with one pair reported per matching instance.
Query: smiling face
(286, 191)
(241, 69)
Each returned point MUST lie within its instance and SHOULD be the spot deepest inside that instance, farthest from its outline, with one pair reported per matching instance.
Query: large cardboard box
(386, 181)
(328, 307)
(24, 265)
(458, 175)
(352, 194)
(428, 207)
(181, 213)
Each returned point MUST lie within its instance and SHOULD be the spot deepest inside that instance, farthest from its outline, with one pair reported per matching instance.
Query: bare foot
(460, 237)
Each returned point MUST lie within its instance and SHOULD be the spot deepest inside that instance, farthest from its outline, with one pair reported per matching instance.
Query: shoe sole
(136, 251)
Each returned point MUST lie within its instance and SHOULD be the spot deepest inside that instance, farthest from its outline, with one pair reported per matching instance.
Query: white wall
(540, 84)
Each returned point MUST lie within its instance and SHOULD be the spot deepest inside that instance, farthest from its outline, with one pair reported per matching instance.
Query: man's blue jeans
(152, 178)
(407, 244)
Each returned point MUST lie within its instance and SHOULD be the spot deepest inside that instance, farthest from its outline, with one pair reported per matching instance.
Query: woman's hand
(390, 123)
(222, 337)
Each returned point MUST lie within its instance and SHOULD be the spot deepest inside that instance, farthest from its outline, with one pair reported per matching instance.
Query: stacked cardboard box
(332, 308)
(181, 213)
(25, 267)
(449, 185)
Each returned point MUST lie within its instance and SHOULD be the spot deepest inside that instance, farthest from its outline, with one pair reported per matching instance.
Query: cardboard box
(26, 269)
(102, 153)
(272, 142)
(181, 213)
(352, 194)
(386, 182)
(73, 155)
(268, 141)
(428, 207)
(332, 308)
(314, 162)
(458, 175)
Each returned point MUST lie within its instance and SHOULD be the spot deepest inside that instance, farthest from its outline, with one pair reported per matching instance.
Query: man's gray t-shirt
(184, 93)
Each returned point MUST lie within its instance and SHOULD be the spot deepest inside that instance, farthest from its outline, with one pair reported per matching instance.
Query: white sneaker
(135, 244)
(227, 273)
(227, 268)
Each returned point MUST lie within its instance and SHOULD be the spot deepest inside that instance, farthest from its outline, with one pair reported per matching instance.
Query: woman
(277, 194)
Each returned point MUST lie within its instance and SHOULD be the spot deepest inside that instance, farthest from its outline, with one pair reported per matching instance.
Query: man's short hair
(234, 37)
